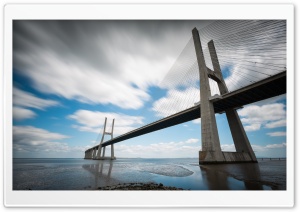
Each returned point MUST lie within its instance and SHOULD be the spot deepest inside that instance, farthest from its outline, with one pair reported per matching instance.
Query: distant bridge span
(261, 90)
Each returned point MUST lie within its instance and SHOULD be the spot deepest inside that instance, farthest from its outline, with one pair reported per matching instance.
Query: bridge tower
(98, 155)
(211, 149)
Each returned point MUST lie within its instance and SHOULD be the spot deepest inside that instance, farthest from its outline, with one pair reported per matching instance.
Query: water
(80, 174)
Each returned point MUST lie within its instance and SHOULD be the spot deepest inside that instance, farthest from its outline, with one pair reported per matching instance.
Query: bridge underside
(264, 89)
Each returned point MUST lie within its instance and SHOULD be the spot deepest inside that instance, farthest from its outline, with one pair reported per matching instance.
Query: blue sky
(69, 75)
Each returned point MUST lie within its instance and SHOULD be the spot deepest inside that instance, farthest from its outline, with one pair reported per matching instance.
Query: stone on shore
(139, 186)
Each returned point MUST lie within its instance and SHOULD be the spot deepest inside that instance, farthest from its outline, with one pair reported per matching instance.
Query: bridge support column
(88, 155)
(240, 139)
(112, 157)
(112, 151)
(239, 135)
(103, 154)
(94, 153)
(211, 149)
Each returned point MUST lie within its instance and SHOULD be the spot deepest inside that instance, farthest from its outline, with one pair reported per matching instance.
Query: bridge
(225, 102)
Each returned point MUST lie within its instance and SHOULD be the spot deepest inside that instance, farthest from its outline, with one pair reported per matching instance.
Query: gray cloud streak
(90, 60)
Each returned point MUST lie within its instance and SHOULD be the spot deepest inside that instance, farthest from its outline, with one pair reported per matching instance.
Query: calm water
(80, 174)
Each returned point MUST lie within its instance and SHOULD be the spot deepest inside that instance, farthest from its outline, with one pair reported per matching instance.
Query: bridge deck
(264, 89)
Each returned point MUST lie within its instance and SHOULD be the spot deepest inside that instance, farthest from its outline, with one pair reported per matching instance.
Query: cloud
(32, 139)
(176, 101)
(93, 121)
(269, 150)
(275, 146)
(26, 99)
(277, 134)
(131, 56)
(280, 123)
(185, 148)
(269, 116)
(259, 148)
(252, 127)
(197, 121)
(192, 140)
(228, 148)
(22, 113)
(241, 57)
(106, 62)
(242, 64)
(23, 100)
(276, 99)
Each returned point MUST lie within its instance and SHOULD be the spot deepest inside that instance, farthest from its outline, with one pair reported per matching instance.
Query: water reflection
(207, 177)
(79, 174)
(217, 176)
(101, 171)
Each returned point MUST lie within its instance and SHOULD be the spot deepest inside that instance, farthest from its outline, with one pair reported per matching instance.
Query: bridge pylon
(98, 156)
(211, 149)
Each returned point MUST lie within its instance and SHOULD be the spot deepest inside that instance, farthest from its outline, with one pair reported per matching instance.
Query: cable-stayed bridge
(248, 64)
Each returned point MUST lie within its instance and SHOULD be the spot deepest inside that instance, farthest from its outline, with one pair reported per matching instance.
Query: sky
(69, 75)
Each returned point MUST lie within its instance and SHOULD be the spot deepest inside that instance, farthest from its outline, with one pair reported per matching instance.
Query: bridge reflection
(244, 176)
(217, 177)
(102, 173)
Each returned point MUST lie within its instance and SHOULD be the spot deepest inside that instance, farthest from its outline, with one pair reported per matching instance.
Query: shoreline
(140, 187)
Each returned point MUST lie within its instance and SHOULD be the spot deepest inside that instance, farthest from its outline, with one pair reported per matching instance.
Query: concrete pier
(95, 152)
(211, 149)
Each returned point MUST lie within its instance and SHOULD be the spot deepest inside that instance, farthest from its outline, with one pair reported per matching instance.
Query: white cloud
(23, 100)
(65, 79)
(269, 116)
(228, 148)
(186, 149)
(272, 100)
(197, 121)
(32, 139)
(93, 121)
(26, 99)
(269, 150)
(280, 123)
(192, 140)
(277, 134)
(93, 61)
(252, 127)
(275, 146)
(259, 148)
(22, 113)
(26, 133)
(168, 149)
(176, 101)
(107, 62)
